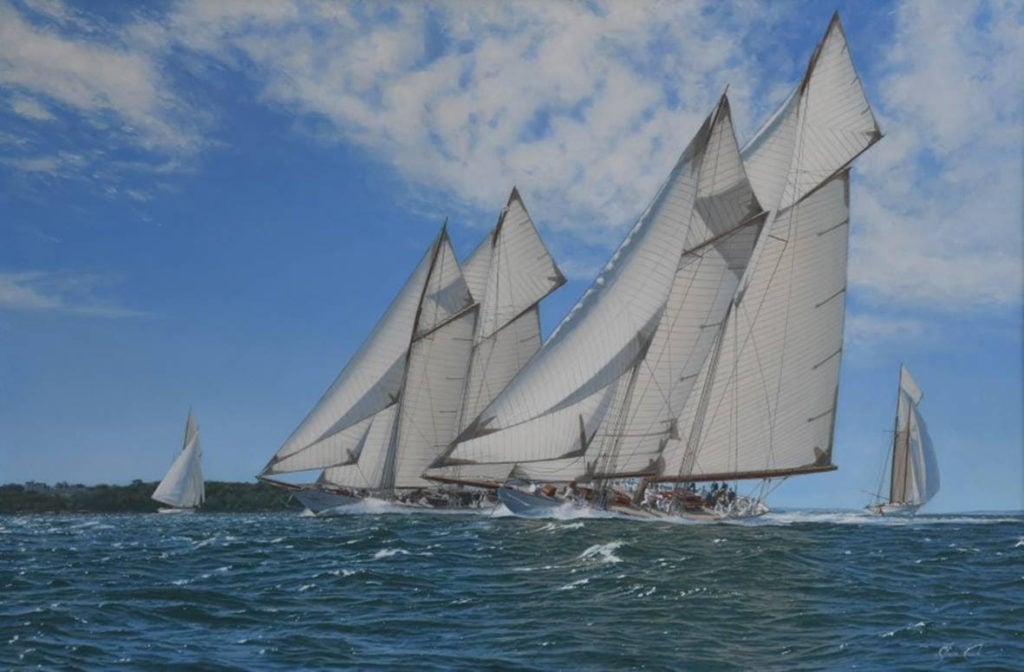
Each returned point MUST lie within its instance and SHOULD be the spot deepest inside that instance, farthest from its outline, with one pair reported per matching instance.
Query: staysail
(183, 486)
(765, 402)
(607, 381)
(915, 471)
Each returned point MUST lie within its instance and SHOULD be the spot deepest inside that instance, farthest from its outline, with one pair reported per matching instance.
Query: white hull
(898, 510)
(170, 510)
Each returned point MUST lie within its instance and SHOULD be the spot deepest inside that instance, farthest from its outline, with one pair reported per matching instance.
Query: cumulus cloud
(61, 65)
(584, 106)
(938, 222)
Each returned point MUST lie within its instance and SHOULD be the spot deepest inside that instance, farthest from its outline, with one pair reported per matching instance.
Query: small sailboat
(182, 488)
(914, 474)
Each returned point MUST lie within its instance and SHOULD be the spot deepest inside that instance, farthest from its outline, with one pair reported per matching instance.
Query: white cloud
(54, 165)
(864, 329)
(58, 292)
(61, 65)
(575, 104)
(30, 108)
(938, 223)
(584, 106)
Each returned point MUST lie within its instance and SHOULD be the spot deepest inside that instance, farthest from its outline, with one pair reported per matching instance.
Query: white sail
(367, 471)
(369, 382)
(519, 273)
(915, 473)
(818, 130)
(765, 401)
(475, 269)
(333, 450)
(583, 375)
(428, 413)
(496, 360)
(445, 293)
(701, 292)
(183, 486)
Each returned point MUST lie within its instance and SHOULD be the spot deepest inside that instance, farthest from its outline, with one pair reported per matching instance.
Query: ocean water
(791, 591)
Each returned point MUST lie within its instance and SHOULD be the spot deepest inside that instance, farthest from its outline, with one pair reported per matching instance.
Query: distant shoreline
(221, 496)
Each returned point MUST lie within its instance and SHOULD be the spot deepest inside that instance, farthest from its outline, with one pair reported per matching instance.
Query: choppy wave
(793, 589)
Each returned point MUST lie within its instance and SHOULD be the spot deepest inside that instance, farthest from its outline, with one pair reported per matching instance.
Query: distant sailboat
(182, 488)
(914, 471)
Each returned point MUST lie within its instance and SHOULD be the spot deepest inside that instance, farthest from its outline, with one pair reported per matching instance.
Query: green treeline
(65, 498)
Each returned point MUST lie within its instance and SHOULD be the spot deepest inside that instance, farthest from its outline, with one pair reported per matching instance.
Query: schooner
(698, 355)
(914, 471)
(449, 342)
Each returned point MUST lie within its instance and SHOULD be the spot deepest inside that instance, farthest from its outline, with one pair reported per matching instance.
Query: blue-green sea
(791, 591)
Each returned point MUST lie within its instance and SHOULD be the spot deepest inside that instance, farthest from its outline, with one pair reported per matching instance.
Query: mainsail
(915, 471)
(765, 402)
(608, 384)
(182, 486)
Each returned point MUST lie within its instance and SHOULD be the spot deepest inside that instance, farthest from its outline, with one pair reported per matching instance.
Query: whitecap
(389, 552)
(575, 584)
(605, 552)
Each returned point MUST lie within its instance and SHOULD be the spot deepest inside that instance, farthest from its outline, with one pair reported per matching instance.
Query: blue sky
(210, 204)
